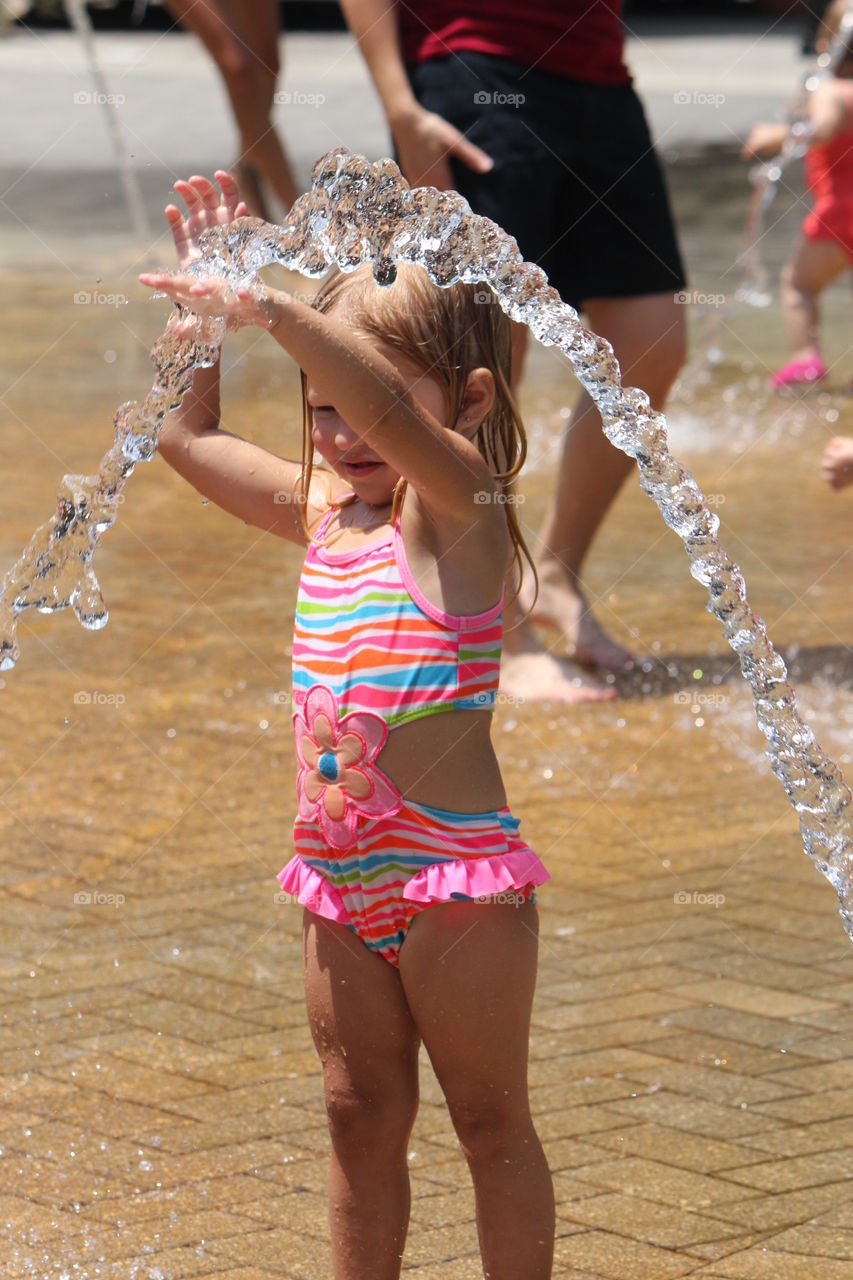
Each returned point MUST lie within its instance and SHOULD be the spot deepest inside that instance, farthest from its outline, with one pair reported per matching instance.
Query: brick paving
(162, 1118)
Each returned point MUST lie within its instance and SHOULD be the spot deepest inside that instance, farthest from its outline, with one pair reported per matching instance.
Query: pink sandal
(806, 370)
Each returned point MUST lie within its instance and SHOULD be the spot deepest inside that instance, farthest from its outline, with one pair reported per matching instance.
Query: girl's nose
(333, 433)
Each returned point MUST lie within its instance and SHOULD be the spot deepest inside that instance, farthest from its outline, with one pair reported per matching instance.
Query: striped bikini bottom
(402, 864)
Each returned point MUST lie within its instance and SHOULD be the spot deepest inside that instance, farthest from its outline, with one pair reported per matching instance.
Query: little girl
(421, 923)
(825, 248)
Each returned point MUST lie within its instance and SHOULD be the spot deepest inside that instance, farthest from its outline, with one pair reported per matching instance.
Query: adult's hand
(425, 142)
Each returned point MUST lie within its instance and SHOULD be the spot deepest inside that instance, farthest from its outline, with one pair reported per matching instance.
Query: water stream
(358, 212)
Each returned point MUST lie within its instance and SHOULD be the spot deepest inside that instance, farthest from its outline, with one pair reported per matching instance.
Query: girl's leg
(368, 1046)
(813, 266)
(469, 972)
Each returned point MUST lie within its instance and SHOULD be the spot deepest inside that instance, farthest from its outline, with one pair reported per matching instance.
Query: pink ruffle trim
(312, 890)
(476, 877)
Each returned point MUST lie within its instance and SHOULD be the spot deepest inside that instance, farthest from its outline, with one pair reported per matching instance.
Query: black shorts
(576, 179)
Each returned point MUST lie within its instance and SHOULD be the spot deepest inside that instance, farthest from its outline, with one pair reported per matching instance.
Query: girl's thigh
(360, 1021)
(469, 973)
(815, 264)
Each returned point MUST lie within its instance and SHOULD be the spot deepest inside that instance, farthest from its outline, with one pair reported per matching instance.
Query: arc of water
(79, 19)
(357, 212)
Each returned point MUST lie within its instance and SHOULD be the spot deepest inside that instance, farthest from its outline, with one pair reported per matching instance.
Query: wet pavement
(161, 1112)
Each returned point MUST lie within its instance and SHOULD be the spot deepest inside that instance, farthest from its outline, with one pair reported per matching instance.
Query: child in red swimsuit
(825, 248)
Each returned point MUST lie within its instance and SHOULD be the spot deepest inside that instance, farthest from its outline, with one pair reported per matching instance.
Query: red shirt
(580, 39)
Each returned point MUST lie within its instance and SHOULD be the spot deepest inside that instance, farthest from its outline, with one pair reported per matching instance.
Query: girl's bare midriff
(445, 760)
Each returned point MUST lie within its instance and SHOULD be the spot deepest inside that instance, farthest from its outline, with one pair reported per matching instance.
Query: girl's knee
(362, 1124)
(485, 1128)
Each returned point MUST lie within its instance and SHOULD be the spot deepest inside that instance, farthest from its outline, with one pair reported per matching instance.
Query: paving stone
(620, 1258)
(664, 1183)
(815, 1241)
(783, 1208)
(791, 1172)
(646, 1220)
(675, 1147)
(761, 1263)
(750, 997)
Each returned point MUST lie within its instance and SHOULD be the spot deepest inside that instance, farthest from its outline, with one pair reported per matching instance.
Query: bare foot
(561, 606)
(537, 676)
(837, 464)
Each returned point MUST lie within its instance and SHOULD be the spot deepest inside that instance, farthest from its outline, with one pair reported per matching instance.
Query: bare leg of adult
(814, 265)
(368, 1045)
(469, 972)
(648, 337)
(267, 154)
(242, 38)
(529, 670)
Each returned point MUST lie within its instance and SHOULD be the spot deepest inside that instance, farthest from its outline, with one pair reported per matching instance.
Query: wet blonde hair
(448, 332)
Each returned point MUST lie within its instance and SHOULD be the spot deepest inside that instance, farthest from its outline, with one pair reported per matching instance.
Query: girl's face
(350, 455)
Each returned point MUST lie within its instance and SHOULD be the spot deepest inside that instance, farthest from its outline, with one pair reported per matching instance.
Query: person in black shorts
(551, 143)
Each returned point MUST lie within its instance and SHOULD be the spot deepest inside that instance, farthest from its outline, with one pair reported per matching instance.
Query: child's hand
(213, 296)
(764, 140)
(205, 209)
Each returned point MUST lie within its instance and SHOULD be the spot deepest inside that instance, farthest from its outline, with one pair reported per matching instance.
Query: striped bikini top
(365, 631)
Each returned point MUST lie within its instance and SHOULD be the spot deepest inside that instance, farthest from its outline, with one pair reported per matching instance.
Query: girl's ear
(477, 401)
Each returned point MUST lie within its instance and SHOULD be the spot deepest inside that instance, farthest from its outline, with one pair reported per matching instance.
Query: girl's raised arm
(445, 469)
(367, 390)
(242, 478)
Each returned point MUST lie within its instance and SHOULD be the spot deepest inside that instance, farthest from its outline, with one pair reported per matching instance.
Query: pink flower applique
(336, 782)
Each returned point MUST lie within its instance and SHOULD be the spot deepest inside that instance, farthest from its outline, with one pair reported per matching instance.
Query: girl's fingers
(227, 183)
(207, 192)
(189, 196)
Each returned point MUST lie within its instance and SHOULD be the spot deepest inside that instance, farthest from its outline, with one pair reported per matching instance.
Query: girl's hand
(205, 209)
(764, 140)
(213, 296)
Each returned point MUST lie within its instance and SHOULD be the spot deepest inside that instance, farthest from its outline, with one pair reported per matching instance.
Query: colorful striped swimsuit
(370, 652)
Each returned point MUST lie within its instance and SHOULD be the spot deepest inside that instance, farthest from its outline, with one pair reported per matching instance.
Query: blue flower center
(328, 766)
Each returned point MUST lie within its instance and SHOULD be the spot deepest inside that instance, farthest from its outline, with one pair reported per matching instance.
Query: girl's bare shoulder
(327, 491)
